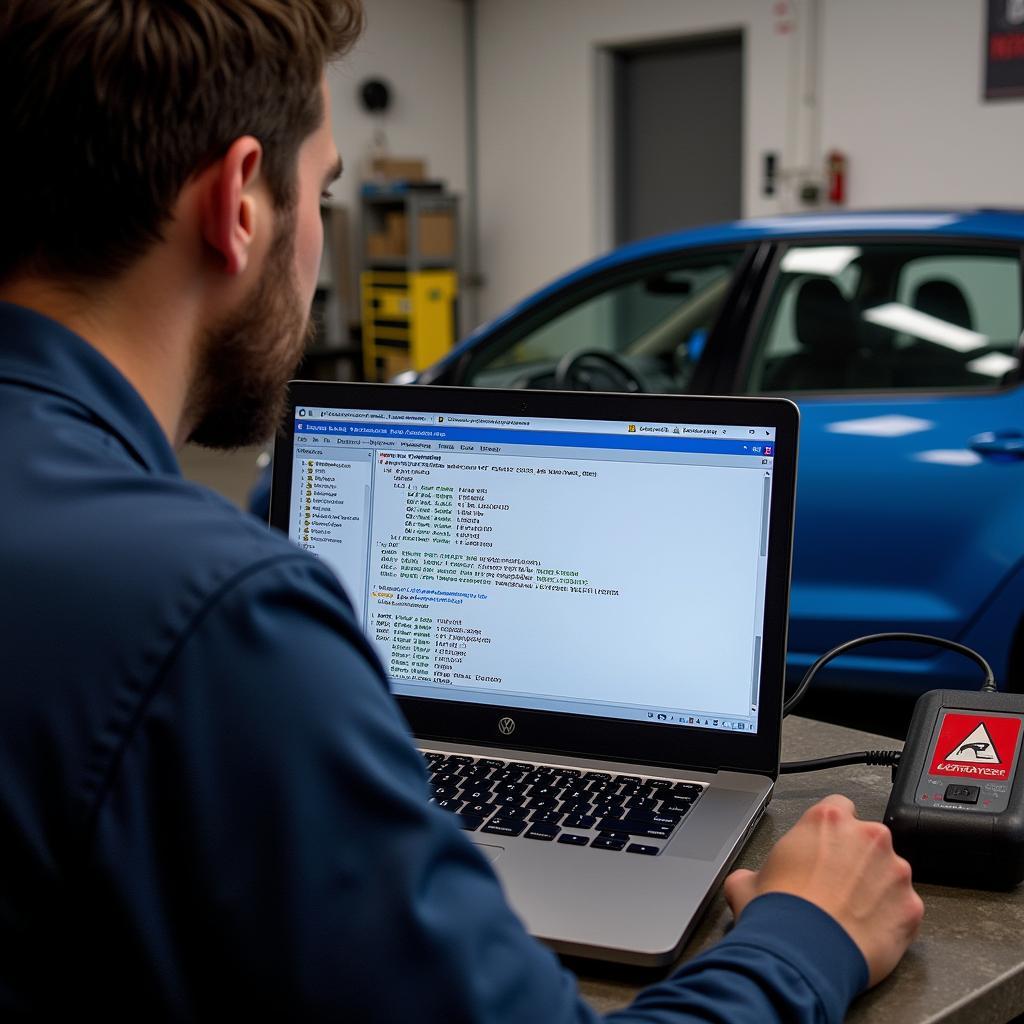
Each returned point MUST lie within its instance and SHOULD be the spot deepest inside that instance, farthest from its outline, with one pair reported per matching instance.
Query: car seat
(943, 300)
(924, 363)
(833, 353)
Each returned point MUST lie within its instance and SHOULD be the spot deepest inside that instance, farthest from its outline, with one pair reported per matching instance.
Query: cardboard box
(383, 247)
(396, 229)
(392, 242)
(393, 168)
(437, 234)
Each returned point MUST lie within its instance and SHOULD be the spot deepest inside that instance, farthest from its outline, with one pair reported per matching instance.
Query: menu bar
(510, 423)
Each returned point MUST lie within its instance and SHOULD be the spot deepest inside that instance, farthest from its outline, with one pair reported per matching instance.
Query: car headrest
(825, 321)
(945, 301)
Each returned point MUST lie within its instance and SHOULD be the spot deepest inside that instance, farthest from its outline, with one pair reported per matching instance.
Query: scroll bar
(369, 554)
(755, 674)
(765, 503)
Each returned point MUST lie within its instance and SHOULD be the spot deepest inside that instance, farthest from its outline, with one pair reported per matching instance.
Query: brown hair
(110, 106)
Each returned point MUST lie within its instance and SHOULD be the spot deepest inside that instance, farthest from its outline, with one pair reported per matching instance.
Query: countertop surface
(966, 965)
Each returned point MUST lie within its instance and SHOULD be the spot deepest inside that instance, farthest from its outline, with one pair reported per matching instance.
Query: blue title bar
(550, 438)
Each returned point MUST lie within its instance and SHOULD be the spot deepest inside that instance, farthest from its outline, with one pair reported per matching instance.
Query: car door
(904, 359)
(651, 325)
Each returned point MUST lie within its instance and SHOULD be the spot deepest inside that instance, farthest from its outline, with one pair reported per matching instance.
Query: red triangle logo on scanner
(976, 746)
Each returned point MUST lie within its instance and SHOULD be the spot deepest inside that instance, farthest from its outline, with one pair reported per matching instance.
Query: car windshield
(646, 330)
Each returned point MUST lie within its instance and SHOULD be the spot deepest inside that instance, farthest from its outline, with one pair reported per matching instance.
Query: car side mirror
(665, 285)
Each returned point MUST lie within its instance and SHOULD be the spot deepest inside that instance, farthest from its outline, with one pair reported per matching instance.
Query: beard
(238, 391)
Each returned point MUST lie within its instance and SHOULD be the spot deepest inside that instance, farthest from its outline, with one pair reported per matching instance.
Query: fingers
(916, 913)
(846, 867)
(832, 814)
(835, 802)
(740, 888)
(913, 905)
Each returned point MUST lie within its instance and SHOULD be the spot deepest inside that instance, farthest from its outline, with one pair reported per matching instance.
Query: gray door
(678, 135)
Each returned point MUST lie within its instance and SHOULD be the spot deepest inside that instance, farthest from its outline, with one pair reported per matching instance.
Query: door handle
(1002, 442)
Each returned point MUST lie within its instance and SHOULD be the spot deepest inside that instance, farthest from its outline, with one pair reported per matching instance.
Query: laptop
(581, 601)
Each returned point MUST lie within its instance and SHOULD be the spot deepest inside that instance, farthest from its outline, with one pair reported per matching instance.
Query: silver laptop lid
(604, 575)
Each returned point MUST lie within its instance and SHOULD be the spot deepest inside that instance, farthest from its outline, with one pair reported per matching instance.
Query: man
(209, 805)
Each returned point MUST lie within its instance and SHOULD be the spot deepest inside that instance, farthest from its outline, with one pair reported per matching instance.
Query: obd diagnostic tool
(956, 810)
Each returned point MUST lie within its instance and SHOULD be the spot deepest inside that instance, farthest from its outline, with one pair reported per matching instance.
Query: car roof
(977, 223)
(1003, 224)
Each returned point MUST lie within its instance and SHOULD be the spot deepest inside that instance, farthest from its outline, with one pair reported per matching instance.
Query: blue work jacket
(210, 805)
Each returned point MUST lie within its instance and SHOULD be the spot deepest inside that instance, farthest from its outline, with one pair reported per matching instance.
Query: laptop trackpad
(492, 853)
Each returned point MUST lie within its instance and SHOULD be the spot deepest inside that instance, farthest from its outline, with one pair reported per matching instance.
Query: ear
(228, 207)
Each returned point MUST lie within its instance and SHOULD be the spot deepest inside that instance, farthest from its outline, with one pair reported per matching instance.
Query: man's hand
(848, 868)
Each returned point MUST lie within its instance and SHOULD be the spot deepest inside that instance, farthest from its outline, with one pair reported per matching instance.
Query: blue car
(898, 335)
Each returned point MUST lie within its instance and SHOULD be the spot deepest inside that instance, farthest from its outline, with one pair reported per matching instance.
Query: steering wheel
(576, 371)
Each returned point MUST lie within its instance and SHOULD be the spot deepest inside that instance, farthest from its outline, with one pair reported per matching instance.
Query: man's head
(246, 355)
(113, 109)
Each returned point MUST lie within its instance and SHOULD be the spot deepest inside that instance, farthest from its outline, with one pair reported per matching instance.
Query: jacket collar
(41, 353)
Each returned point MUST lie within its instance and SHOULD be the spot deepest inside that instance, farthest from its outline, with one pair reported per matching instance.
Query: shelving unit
(410, 284)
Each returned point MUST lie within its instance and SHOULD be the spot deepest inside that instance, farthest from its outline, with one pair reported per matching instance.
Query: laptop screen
(606, 568)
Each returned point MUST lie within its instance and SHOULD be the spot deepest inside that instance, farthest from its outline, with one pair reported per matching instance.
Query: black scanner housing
(974, 848)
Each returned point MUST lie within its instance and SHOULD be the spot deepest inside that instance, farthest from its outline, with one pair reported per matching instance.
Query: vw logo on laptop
(506, 726)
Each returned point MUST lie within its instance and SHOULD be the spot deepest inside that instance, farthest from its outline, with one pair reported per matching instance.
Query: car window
(889, 317)
(643, 330)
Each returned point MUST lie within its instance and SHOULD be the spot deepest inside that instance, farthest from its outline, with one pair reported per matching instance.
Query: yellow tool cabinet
(409, 282)
(408, 319)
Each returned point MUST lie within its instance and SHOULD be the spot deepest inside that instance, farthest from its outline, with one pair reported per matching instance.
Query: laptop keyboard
(554, 804)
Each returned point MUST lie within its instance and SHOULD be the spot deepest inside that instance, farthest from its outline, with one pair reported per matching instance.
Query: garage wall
(540, 172)
(417, 46)
(899, 90)
(901, 93)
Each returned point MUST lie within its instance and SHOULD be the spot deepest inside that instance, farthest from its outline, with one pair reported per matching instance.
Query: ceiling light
(831, 260)
(923, 325)
(995, 364)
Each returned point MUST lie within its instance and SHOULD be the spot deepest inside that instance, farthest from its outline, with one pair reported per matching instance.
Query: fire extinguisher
(835, 174)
